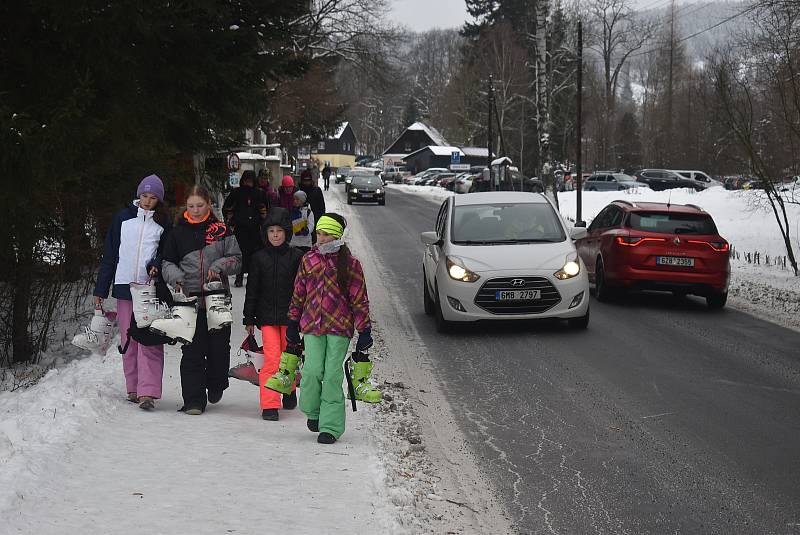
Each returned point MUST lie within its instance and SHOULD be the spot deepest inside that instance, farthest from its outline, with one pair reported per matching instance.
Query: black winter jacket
(270, 282)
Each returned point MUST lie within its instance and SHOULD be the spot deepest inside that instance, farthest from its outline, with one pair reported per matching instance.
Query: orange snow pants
(273, 338)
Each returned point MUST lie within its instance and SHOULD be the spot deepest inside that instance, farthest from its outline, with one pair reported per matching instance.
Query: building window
(321, 145)
(408, 147)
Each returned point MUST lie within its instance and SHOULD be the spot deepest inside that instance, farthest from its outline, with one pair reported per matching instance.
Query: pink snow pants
(273, 338)
(143, 365)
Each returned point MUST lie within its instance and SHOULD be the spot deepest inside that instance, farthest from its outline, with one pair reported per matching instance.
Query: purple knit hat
(151, 184)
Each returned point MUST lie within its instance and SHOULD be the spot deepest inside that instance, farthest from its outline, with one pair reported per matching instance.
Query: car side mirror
(578, 232)
(430, 238)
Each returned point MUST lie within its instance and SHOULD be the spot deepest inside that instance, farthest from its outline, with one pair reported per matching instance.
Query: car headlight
(459, 272)
(354, 190)
(572, 267)
(378, 190)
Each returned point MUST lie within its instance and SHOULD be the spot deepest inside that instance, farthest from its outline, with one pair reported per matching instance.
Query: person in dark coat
(266, 303)
(244, 209)
(314, 194)
(326, 179)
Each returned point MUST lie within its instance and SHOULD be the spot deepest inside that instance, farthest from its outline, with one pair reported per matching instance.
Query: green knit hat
(330, 226)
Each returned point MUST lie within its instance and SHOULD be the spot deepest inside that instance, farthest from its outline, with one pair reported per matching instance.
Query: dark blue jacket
(110, 261)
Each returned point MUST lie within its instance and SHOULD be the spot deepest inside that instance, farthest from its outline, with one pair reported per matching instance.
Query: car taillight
(719, 246)
(633, 241)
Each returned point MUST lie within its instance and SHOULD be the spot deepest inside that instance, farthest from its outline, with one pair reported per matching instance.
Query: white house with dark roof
(417, 136)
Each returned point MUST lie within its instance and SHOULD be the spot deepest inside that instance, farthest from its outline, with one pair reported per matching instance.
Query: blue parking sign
(455, 157)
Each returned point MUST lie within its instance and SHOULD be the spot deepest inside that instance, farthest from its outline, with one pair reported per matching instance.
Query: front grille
(486, 296)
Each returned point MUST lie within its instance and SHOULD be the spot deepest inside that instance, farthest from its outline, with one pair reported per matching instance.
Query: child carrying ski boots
(132, 253)
(266, 304)
(330, 301)
(360, 368)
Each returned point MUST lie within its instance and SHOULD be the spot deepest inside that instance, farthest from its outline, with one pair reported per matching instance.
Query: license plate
(518, 295)
(675, 261)
(366, 195)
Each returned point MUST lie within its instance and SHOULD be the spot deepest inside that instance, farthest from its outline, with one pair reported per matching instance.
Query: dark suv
(656, 246)
(661, 179)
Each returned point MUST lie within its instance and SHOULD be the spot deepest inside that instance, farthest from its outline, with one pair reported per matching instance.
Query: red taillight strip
(724, 249)
(621, 241)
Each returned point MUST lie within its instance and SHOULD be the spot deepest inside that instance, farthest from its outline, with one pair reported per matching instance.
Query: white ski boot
(181, 322)
(97, 337)
(219, 310)
(146, 306)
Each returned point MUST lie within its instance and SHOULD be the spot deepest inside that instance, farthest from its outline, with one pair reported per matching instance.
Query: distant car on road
(610, 181)
(502, 255)
(394, 174)
(366, 188)
(656, 246)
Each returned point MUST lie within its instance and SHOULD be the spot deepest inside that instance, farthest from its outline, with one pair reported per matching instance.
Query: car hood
(514, 257)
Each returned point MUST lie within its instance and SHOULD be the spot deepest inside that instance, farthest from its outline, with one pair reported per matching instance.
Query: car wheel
(427, 301)
(349, 200)
(579, 323)
(716, 301)
(442, 325)
(601, 289)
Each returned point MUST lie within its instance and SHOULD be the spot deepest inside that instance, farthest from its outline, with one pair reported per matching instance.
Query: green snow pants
(321, 394)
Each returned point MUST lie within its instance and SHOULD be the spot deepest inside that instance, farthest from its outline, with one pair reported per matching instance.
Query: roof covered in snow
(437, 151)
(436, 137)
(476, 151)
(340, 130)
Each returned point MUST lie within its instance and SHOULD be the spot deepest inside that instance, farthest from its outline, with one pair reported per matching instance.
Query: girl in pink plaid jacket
(330, 302)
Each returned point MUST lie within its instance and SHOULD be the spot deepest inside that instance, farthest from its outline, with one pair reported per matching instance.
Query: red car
(656, 246)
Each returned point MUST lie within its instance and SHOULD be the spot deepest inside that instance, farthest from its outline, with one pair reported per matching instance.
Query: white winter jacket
(138, 244)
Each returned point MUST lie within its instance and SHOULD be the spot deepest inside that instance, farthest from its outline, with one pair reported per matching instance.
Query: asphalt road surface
(662, 417)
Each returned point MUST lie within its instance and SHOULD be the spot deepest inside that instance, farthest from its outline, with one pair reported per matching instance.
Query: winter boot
(97, 337)
(283, 380)
(363, 388)
(181, 323)
(146, 403)
(218, 305)
(146, 306)
(246, 371)
(270, 414)
(289, 401)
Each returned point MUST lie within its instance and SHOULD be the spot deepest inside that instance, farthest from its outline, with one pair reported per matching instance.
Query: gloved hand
(293, 332)
(364, 341)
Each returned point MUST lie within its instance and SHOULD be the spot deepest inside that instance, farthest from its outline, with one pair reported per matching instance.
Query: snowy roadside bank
(764, 290)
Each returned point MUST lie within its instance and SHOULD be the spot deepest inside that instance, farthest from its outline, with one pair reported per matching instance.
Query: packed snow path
(95, 463)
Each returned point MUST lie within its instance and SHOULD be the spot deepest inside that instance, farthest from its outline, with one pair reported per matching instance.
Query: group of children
(293, 287)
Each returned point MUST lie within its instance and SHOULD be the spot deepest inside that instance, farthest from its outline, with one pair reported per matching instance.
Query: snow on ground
(75, 457)
(742, 217)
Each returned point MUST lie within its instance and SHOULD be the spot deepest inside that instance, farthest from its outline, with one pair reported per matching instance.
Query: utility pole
(490, 143)
(669, 158)
(578, 119)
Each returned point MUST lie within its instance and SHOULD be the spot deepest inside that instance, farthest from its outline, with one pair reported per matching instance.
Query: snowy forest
(95, 93)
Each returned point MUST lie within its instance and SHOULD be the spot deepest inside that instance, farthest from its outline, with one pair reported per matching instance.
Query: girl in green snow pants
(330, 302)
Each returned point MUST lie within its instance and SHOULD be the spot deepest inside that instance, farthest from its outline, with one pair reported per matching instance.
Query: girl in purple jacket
(330, 302)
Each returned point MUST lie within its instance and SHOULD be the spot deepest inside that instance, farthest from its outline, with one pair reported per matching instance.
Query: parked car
(366, 188)
(446, 181)
(610, 181)
(732, 182)
(656, 246)
(464, 181)
(394, 174)
(433, 179)
(661, 179)
(425, 175)
(699, 178)
(502, 255)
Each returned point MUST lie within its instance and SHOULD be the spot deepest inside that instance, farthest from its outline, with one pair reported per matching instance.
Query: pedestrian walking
(316, 199)
(132, 254)
(286, 193)
(330, 301)
(266, 304)
(244, 210)
(266, 186)
(326, 176)
(200, 250)
(302, 223)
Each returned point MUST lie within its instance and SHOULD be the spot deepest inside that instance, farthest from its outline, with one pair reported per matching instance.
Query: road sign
(455, 157)
(233, 161)
(459, 167)
(233, 179)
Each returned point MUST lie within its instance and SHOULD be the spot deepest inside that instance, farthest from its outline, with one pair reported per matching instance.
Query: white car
(503, 255)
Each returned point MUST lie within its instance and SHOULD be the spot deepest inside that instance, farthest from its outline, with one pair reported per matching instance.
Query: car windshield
(361, 180)
(622, 177)
(506, 223)
(672, 223)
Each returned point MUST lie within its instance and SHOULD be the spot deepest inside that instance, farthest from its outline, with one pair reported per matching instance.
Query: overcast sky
(421, 15)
